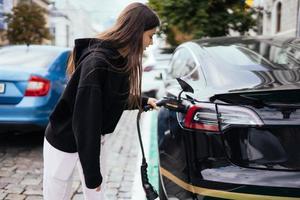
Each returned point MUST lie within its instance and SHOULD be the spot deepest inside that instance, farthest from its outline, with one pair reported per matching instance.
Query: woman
(105, 78)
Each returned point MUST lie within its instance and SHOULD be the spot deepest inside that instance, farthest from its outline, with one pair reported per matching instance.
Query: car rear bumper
(238, 175)
(23, 118)
(23, 123)
(224, 189)
(20, 127)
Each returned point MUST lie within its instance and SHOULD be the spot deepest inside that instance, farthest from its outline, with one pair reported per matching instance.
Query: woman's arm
(86, 123)
(145, 101)
(87, 119)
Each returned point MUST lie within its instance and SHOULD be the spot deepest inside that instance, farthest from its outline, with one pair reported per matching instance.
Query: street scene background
(62, 21)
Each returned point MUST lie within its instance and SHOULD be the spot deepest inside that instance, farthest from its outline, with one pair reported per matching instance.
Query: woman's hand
(98, 189)
(152, 102)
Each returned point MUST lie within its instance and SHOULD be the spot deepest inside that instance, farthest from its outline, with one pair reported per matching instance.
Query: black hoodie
(91, 104)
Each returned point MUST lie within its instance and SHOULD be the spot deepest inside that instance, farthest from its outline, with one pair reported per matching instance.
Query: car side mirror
(184, 86)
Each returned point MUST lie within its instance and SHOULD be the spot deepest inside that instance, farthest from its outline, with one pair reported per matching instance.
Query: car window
(191, 64)
(174, 62)
(16, 57)
(257, 56)
(182, 63)
(60, 64)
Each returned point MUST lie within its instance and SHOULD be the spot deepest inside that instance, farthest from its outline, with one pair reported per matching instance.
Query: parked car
(32, 79)
(155, 69)
(237, 136)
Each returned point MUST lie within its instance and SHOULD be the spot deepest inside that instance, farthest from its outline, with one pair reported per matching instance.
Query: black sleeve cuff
(144, 101)
(93, 182)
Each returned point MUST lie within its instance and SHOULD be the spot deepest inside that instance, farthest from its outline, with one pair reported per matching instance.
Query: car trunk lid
(12, 86)
(273, 107)
(261, 127)
(287, 95)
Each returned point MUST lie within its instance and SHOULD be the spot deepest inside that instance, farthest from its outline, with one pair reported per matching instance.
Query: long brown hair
(127, 33)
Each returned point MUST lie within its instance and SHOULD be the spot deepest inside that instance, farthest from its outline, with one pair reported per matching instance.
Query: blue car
(32, 79)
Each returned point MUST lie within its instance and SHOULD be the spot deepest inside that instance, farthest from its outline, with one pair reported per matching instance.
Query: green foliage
(27, 24)
(202, 18)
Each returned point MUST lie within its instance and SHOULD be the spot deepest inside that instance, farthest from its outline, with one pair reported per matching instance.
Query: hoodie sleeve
(144, 103)
(87, 120)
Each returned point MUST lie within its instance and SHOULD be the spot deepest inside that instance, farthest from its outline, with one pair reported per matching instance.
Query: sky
(103, 12)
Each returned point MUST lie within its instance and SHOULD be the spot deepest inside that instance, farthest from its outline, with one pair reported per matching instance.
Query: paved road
(21, 164)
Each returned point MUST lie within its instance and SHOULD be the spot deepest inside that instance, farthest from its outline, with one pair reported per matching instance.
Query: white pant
(58, 174)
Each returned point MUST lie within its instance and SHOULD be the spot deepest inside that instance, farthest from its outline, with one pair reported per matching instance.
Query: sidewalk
(148, 128)
(123, 163)
(21, 163)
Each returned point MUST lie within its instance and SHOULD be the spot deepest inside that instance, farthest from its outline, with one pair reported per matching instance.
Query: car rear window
(260, 56)
(26, 57)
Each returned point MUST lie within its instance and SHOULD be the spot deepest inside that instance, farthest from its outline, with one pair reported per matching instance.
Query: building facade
(59, 27)
(69, 22)
(6, 6)
(65, 21)
(1, 15)
(281, 17)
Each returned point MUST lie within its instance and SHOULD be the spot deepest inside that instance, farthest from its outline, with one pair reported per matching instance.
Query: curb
(137, 189)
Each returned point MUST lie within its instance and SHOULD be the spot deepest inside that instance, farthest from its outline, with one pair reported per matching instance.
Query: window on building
(1, 15)
(67, 35)
(2, 25)
(52, 30)
(278, 17)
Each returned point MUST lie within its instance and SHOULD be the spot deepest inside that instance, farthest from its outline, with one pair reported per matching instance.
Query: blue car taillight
(37, 86)
(203, 117)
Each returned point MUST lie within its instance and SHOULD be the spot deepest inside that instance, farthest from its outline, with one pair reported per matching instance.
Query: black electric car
(231, 128)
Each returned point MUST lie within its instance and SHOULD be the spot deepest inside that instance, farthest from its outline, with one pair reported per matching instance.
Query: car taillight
(37, 86)
(237, 115)
(148, 68)
(205, 117)
(202, 117)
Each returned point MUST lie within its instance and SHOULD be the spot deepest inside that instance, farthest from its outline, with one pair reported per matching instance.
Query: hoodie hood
(85, 46)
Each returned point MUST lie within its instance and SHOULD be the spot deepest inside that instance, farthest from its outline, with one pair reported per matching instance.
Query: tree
(27, 24)
(191, 19)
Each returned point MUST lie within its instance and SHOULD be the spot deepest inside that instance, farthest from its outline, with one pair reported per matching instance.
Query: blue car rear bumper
(29, 115)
